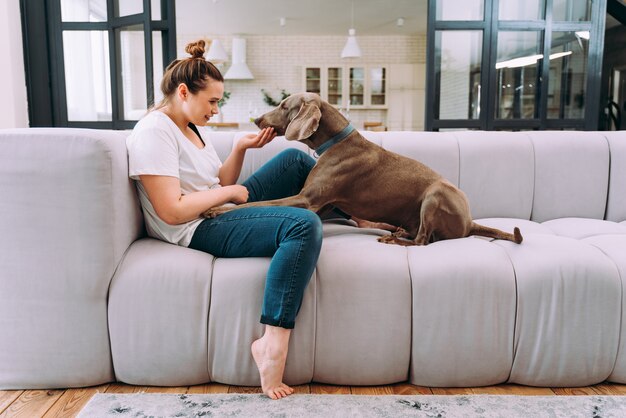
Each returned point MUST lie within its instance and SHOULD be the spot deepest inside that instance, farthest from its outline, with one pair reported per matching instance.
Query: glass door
(335, 86)
(357, 86)
(378, 89)
(313, 80)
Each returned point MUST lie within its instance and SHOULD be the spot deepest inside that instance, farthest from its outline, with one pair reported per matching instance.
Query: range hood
(239, 70)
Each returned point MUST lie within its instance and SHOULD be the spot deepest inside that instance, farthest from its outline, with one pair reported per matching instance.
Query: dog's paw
(219, 210)
(387, 239)
(212, 213)
(391, 239)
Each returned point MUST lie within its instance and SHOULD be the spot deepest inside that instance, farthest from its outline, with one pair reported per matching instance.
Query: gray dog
(367, 181)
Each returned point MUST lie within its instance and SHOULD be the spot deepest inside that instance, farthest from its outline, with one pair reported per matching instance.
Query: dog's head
(297, 117)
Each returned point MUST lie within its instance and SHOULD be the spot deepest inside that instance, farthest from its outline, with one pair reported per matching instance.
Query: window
(99, 62)
(506, 64)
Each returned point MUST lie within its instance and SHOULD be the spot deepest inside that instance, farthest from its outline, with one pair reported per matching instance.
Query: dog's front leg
(297, 201)
(400, 237)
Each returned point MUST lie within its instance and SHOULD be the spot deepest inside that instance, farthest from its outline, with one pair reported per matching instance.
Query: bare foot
(270, 355)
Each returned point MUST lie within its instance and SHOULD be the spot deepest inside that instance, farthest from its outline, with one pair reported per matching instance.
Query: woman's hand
(229, 173)
(257, 140)
(238, 193)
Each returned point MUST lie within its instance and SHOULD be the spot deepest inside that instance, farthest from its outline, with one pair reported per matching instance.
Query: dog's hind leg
(423, 235)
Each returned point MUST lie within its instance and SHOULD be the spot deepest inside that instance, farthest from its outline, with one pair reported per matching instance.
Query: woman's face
(200, 107)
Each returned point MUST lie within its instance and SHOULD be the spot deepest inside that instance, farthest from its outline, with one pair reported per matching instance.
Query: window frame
(490, 26)
(42, 30)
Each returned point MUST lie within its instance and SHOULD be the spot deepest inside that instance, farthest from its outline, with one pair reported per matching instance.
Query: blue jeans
(291, 236)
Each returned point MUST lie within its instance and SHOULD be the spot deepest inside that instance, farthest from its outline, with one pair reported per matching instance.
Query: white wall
(13, 107)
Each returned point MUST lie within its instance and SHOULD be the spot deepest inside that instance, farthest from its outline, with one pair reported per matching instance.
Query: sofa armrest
(68, 213)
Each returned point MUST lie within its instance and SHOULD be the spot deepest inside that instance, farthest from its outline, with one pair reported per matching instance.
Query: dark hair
(194, 71)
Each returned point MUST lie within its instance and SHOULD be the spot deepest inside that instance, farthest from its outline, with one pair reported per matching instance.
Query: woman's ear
(305, 123)
(183, 91)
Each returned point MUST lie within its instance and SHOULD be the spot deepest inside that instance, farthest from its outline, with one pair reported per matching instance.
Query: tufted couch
(87, 298)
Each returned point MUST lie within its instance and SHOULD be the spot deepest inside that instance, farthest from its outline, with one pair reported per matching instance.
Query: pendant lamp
(351, 49)
(216, 53)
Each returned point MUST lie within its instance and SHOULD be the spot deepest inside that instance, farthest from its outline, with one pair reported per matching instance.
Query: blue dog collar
(335, 139)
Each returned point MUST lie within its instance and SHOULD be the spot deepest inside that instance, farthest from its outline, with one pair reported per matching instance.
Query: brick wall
(277, 63)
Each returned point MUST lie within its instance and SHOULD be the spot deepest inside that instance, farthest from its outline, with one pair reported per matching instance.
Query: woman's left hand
(257, 140)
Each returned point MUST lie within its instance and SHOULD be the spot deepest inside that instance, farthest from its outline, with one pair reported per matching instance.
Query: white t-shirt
(157, 146)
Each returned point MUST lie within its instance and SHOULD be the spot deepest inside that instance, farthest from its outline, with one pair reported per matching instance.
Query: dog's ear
(305, 123)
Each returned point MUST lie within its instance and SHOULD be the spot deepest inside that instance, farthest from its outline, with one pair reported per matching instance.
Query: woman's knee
(294, 154)
(309, 225)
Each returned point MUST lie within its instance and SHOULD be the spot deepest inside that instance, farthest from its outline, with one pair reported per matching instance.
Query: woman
(179, 176)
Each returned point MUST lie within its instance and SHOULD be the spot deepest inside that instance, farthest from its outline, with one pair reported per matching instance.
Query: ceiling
(307, 17)
(303, 17)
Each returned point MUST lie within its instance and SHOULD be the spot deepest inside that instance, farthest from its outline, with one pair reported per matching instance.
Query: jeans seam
(292, 280)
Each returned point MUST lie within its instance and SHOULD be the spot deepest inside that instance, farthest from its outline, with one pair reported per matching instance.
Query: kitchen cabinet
(354, 87)
(313, 80)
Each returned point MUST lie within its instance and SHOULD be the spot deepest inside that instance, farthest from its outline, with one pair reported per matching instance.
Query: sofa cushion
(363, 325)
(567, 328)
(571, 175)
(583, 227)
(497, 173)
(158, 310)
(463, 313)
(236, 301)
(614, 246)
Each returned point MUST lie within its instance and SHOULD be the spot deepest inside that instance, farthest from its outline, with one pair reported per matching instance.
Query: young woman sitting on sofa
(179, 176)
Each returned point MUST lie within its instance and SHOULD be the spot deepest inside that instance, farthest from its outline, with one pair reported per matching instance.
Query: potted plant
(269, 100)
(221, 103)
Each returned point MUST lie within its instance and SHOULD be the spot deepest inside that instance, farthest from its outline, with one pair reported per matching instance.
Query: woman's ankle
(276, 337)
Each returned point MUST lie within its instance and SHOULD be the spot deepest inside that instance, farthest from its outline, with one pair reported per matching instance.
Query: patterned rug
(143, 405)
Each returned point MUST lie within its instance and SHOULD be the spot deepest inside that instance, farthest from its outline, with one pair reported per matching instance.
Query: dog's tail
(485, 231)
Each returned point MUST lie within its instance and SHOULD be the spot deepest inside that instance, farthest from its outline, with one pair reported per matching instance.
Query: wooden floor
(67, 403)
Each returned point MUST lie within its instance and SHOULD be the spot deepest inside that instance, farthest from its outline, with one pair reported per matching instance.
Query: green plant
(224, 99)
(269, 100)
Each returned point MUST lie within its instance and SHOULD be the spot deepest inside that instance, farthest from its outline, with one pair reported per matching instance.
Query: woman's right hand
(238, 193)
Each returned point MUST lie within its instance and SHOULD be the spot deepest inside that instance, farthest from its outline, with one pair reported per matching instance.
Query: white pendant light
(351, 49)
(239, 70)
(216, 54)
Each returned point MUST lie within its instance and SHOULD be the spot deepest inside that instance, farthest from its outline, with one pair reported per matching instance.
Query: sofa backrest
(497, 173)
(538, 175)
(571, 174)
(66, 192)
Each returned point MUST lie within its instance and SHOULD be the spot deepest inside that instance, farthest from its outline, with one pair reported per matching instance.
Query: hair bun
(196, 49)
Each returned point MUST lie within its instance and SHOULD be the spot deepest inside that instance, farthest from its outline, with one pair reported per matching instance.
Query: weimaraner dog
(367, 181)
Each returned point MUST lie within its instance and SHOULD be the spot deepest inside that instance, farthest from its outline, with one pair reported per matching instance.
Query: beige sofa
(86, 298)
